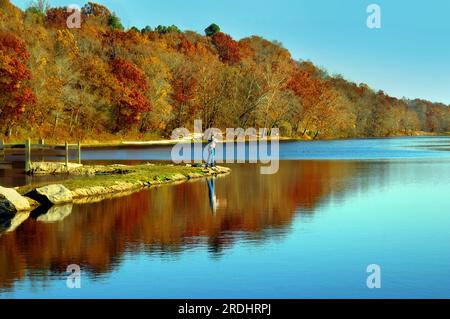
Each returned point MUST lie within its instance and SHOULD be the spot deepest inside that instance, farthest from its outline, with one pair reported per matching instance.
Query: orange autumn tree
(186, 47)
(57, 18)
(15, 96)
(129, 98)
(309, 88)
(227, 48)
(184, 91)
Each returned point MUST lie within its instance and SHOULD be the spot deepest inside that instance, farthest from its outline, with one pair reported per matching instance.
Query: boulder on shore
(53, 168)
(12, 202)
(51, 195)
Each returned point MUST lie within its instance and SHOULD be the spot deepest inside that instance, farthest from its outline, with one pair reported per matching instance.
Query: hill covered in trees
(103, 82)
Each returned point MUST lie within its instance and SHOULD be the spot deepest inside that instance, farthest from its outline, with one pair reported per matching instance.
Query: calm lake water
(309, 231)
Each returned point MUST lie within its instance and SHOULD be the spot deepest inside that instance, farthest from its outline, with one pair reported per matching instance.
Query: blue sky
(409, 55)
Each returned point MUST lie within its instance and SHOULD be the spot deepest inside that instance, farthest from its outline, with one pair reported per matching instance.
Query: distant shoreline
(167, 142)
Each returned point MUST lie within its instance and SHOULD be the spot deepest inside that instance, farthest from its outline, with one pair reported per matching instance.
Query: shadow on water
(215, 214)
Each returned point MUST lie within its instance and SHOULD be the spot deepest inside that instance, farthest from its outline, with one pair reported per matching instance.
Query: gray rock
(53, 168)
(51, 195)
(12, 202)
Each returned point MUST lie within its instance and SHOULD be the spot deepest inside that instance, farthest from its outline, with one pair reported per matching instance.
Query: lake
(309, 231)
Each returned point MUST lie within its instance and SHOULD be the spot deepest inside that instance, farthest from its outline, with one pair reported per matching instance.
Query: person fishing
(212, 151)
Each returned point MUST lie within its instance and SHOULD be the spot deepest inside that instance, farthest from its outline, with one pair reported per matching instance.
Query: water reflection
(243, 206)
(10, 224)
(53, 214)
(211, 182)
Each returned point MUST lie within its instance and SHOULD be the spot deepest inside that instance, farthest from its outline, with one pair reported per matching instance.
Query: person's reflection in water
(212, 193)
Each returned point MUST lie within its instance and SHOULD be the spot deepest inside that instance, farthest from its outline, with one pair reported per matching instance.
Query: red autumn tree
(116, 41)
(184, 87)
(57, 17)
(129, 74)
(227, 48)
(186, 47)
(14, 74)
(306, 85)
(129, 98)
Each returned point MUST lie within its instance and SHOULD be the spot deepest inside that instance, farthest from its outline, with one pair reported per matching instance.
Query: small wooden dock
(20, 156)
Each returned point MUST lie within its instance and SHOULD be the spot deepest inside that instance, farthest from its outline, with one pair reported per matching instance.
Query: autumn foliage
(140, 222)
(129, 96)
(14, 76)
(227, 48)
(102, 82)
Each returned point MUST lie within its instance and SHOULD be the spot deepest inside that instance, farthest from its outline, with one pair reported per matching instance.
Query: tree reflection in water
(246, 206)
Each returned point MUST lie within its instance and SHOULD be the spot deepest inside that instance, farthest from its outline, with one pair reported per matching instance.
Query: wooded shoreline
(106, 83)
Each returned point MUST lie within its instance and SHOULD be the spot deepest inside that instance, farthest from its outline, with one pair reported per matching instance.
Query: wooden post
(2, 146)
(67, 155)
(315, 136)
(27, 155)
(41, 151)
(79, 152)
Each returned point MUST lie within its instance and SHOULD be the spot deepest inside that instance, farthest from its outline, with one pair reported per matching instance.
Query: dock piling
(67, 154)
(27, 155)
(2, 149)
(23, 153)
(79, 152)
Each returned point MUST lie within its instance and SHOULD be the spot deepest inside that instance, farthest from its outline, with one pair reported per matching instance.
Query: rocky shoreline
(88, 184)
(72, 169)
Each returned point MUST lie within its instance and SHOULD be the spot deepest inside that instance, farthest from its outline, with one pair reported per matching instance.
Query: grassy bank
(118, 178)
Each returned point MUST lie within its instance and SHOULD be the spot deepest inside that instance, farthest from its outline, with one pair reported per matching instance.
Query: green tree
(114, 22)
(147, 29)
(167, 29)
(212, 29)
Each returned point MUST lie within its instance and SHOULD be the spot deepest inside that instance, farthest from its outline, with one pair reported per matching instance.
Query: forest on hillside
(102, 82)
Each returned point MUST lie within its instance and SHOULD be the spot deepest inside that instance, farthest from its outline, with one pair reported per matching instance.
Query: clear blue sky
(409, 56)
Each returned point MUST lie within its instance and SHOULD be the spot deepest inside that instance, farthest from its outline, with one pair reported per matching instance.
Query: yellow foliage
(66, 41)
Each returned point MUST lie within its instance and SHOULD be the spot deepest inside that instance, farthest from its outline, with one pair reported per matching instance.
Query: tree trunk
(8, 131)
(55, 124)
